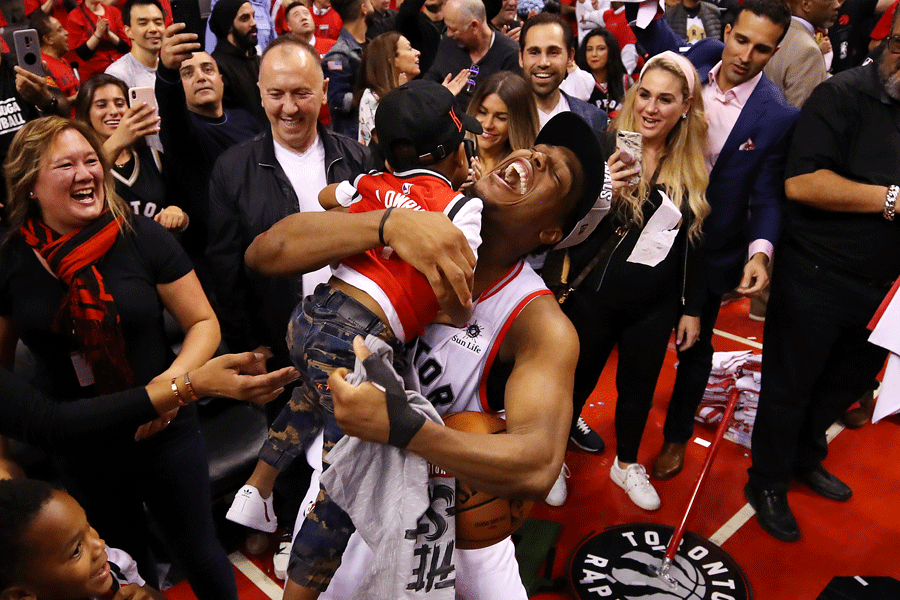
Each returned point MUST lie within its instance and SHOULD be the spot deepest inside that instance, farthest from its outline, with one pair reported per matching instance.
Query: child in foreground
(50, 551)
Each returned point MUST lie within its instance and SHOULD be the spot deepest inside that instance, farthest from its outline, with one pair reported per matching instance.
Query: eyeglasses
(893, 43)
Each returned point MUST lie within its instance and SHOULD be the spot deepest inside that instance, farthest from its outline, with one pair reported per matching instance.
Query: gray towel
(405, 516)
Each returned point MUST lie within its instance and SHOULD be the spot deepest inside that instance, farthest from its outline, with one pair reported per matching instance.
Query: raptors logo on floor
(619, 563)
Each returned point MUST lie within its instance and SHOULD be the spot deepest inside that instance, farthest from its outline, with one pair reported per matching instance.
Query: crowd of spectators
(146, 175)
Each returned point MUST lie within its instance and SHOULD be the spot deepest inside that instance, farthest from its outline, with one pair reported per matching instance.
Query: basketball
(481, 519)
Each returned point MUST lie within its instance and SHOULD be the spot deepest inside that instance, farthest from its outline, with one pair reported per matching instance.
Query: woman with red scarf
(84, 283)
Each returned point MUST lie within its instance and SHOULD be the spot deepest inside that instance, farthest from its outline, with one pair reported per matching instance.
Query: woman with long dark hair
(599, 55)
(136, 167)
(504, 105)
(389, 60)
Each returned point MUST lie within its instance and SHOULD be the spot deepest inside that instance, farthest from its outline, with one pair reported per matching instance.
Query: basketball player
(517, 353)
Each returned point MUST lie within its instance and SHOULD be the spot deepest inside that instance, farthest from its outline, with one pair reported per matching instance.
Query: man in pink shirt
(749, 126)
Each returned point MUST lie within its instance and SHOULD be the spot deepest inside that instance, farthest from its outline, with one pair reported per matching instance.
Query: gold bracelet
(190, 388)
(177, 393)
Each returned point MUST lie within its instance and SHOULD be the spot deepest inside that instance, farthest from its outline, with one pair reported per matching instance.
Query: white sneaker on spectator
(280, 560)
(252, 510)
(559, 493)
(636, 484)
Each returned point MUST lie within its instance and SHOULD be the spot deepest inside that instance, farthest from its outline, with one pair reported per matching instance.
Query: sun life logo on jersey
(469, 337)
(616, 564)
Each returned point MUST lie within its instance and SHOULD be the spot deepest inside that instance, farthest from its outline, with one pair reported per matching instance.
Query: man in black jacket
(260, 181)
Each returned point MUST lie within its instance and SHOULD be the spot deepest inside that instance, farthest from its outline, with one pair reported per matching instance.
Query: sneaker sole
(241, 519)
(591, 449)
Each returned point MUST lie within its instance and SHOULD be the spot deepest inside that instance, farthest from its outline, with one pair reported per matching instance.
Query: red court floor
(858, 538)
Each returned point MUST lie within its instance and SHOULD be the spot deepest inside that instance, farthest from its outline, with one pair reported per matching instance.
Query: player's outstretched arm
(524, 463)
(428, 241)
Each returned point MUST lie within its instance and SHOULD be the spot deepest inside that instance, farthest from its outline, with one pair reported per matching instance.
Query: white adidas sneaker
(252, 510)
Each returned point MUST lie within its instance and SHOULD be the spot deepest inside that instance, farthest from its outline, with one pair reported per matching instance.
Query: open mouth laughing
(517, 175)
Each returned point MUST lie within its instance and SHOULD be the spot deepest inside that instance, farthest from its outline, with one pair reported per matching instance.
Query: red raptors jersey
(396, 286)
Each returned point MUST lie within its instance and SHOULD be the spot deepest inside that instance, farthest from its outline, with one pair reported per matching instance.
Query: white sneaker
(636, 484)
(252, 510)
(558, 493)
(281, 558)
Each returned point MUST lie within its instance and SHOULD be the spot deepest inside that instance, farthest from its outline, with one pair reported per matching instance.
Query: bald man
(469, 41)
(258, 182)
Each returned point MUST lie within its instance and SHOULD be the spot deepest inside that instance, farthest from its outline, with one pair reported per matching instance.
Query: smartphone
(136, 95)
(470, 150)
(188, 12)
(632, 143)
(28, 51)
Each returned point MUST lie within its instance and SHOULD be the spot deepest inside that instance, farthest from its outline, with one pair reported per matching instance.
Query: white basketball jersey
(452, 364)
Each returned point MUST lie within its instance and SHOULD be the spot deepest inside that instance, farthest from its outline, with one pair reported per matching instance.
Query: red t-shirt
(61, 75)
(58, 10)
(80, 24)
(328, 25)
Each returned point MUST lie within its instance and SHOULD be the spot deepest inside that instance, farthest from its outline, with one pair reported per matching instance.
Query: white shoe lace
(582, 426)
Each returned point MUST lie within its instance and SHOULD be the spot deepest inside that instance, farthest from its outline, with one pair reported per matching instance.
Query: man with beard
(546, 46)
(234, 24)
(837, 260)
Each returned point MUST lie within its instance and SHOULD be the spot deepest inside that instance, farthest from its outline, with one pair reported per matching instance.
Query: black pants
(816, 363)
(642, 336)
(171, 475)
(694, 366)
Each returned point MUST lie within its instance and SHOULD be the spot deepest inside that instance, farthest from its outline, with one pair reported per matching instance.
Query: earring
(684, 116)
(31, 194)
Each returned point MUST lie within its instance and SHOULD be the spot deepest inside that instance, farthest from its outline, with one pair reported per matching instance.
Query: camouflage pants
(320, 339)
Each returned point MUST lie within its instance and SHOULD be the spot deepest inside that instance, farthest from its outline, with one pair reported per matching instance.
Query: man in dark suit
(546, 45)
(750, 124)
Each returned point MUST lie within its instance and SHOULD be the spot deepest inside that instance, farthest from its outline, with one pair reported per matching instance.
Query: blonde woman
(646, 282)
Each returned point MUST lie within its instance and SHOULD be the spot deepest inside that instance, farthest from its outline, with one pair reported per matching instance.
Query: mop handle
(707, 465)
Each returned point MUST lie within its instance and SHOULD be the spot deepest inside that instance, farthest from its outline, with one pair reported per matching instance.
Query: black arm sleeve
(27, 415)
(83, 52)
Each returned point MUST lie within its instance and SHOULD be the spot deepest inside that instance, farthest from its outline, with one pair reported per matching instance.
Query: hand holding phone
(139, 95)
(28, 51)
(632, 144)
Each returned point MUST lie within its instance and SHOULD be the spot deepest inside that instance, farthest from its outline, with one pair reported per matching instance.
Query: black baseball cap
(569, 130)
(421, 113)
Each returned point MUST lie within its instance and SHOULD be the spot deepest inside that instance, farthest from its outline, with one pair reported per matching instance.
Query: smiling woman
(504, 105)
(647, 283)
(136, 167)
(84, 283)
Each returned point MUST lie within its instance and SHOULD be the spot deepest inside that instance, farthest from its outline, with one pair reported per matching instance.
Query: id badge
(82, 369)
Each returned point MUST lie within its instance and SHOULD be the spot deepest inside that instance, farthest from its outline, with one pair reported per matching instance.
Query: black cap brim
(568, 130)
